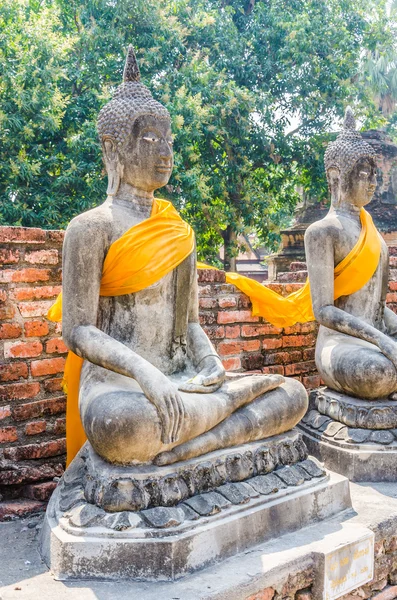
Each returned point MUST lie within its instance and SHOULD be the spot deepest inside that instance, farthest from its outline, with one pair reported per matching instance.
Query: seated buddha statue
(356, 350)
(151, 387)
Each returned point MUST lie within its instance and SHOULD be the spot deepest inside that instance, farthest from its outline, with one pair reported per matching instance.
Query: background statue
(356, 350)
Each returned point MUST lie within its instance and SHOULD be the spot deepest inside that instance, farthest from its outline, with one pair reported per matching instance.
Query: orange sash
(142, 256)
(351, 274)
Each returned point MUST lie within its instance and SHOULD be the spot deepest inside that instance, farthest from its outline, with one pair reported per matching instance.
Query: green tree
(252, 87)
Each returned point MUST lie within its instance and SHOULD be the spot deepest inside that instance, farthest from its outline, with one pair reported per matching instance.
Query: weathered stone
(123, 521)
(290, 476)
(86, 515)
(358, 436)
(235, 493)
(249, 489)
(203, 505)
(190, 514)
(265, 485)
(161, 517)
(71, 497)
(381, 437)
(312, 468)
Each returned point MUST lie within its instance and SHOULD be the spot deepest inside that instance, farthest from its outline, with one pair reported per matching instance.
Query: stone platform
(356, 438)
(186, 516)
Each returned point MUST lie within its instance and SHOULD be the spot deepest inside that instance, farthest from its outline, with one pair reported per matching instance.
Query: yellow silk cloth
(142, 256)
(350, 275)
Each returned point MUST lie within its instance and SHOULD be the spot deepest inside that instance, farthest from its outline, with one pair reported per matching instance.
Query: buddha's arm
(201, 351)
(83, 256)
(390, 320)
(319, 247)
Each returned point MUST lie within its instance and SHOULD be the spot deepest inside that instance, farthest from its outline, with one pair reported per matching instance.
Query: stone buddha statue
(356, 350)
(351, 424)
(152, 388)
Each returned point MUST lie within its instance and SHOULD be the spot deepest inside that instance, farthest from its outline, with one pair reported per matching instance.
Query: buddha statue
(356, 350)
(152, 389)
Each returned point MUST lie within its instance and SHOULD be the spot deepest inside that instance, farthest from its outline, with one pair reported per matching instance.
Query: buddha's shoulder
(94, 222)
(328, 227)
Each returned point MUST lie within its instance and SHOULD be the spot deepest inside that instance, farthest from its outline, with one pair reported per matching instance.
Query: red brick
(311, 382)
(257, 330)
(7, 312)
(36, 293)
(35, 427)
(24, 474)
(252, 362)
(393, 286)
(279, 358)
(8, 434)
(9, 331)
(391, 297)
(19, 235)
(47, 366)
(266, 594)
(231, 364)
(272, 343)
(60, 426)
(8, 256)
(207, 303)
(275, 370)
(42, 257)
(389, 593)
(33, 451)
(211, 275)
(56, 345)
(19, 508)
(227, 348)
(5, 412)
(301, 328)
(13, 371)
(309, 353)
(35, 309)
(40, 408)
(299, 368)
(297, 341)
(3, 295)
(28, 275)
(207, 318)
(227, 302)
(53, 385)
(55, 235)
(39, 491)
(22, 349)
(244, 301)
(19, 391)
(36, 328)
(232, 332)
(236, 316)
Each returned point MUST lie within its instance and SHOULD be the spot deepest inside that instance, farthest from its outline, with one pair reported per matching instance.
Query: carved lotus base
(229, 500)
(356, 438)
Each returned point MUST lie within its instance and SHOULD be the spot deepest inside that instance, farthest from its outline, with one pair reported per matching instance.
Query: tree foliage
(252, 88)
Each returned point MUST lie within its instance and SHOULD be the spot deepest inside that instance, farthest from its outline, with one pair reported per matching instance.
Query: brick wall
(32, 356)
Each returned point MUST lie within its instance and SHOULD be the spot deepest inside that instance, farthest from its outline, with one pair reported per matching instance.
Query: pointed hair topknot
(349, 121)
(131, 69)
(347, 149)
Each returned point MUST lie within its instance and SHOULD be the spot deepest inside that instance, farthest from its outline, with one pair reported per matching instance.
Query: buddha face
(360, 186)
(146, 160)
(362, 182)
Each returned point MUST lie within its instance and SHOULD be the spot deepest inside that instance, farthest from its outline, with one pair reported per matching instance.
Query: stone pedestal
(161, 523)
(356, 438)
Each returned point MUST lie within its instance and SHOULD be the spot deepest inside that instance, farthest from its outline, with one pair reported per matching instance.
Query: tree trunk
(229, 237)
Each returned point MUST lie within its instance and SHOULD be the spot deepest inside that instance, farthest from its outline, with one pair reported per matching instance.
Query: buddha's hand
(208, 379)
(163, 394)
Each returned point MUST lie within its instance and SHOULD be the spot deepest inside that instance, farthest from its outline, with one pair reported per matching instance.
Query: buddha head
(350, 166)
(135, 133)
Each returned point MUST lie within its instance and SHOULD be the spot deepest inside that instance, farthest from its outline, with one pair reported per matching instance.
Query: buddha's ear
(113, 165)
(333, 176)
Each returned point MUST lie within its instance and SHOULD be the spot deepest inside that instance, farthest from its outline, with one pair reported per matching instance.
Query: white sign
(348, 567)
